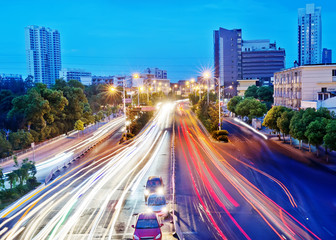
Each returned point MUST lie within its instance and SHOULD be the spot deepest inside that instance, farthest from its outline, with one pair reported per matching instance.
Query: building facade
(309, 35)
(102, 80)
(243, 85)
(43, 52)
(261, 59)
(326, 56)
(157, 73)
(76, 74)
(227, 58)
(304, 86)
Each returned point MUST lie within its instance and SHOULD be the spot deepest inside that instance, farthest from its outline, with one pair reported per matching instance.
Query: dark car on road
(154, 185)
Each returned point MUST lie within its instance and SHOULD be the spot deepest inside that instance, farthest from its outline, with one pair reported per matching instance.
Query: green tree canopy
(251, 108)
(5, 147)
(232, 104)
(265, 93)
(251, 92)
(272, 116)
(79, 125)
(20, 139)
(283, 121)
(330, 136)
(315, 132)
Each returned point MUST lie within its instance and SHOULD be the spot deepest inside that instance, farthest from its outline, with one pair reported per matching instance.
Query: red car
(147, 227)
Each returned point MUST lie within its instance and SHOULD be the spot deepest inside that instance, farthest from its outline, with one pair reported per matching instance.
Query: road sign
(32, 144)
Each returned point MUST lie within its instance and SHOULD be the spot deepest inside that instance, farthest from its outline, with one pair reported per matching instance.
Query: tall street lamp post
(207, 76)
(113, 90)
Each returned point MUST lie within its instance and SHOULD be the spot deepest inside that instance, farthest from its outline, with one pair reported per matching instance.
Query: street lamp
(207, 76)
(219, 108)
(112, 89)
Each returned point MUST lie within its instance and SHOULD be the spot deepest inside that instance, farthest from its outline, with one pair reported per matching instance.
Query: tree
(265, 93)
(271, 118)
(12, 178)
(20, 139)
(193, 98)
(232, 104)
(297, 127)
(283, 123)
(310, 115)
(251, 92)
(315, 132)
(330, 136)
(251, 108)
(79, 126)
(2, 179)
(5, 147)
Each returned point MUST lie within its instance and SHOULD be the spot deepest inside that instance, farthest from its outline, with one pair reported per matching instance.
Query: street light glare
(135, 75)
(207, 74)
(112, 89)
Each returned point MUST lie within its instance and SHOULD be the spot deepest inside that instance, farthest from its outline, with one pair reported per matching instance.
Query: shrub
(221, 135)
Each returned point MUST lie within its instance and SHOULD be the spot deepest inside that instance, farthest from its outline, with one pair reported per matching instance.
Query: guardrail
(45, 142)
(76, 157)
(177, 228)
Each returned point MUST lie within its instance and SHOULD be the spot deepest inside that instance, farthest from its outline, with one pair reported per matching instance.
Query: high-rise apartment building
(326, 56)
(309, 35)
(227, 58)
(43, 50)
(261, 59)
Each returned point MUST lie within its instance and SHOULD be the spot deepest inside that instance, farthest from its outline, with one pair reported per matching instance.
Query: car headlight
(149, 210)
(136, 237)
(160, 191)
(164, 209)
(158, 236)
(146, 192)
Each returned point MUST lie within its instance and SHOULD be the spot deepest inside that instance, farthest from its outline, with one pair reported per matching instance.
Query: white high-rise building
(43, 50)
(309, 35)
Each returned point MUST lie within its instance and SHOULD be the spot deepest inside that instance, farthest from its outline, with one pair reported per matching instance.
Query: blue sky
(121, 36)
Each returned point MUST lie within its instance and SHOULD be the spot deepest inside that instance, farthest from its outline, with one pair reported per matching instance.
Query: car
(157, 203)
(154, 185)
(147, 227)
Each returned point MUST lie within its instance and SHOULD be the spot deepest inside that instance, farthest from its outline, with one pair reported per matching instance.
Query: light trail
(267, 209)
(76, 190)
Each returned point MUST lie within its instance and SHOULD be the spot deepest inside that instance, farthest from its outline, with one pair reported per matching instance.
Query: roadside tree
(251, 92)
(232, 104)
(315, 132)
(271, 118)
(283, 123)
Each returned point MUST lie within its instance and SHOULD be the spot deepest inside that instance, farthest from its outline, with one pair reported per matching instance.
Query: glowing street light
(207, 76)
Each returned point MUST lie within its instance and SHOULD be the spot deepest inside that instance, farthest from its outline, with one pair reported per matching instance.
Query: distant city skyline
(109, 37)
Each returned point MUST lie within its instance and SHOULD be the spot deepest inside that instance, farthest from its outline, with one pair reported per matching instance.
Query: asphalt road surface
(98, 197)
(250, 188)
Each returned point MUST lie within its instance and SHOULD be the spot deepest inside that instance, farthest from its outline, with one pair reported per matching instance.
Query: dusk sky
(122, 37)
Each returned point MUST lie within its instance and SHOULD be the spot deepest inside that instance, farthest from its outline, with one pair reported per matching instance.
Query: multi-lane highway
(64, 149)
(249, 188)
(100, 197)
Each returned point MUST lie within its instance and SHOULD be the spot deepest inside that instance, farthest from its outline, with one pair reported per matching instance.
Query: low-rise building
(76, 74)
(305, 86)
(243, 85)
(102, 80)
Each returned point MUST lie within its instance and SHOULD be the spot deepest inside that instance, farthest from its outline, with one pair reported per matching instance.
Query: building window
(334, 72)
